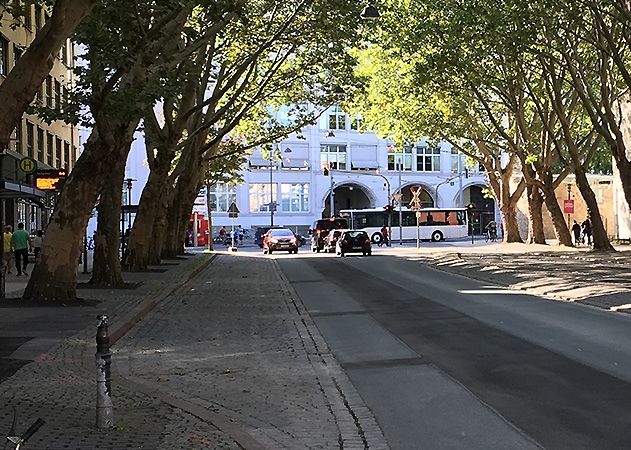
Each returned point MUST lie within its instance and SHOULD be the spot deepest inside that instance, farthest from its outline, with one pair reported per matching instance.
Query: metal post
(271, 193)
(569, 197)
(332, 194)
(103, 356)
(400, 205)
(459, 180)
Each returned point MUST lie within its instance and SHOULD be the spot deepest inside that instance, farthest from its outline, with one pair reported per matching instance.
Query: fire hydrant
(103, 356)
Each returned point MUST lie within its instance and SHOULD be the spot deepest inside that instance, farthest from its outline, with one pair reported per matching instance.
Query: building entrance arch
(348, 195)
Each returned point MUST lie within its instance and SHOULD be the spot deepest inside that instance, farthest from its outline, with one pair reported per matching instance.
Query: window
(39, 96)
(57, 94)
(17, 54)
(38, 17)
(50, 142)
(337, 119)
(40, 145)
(28, 19)
(66, 153)
(400, 159)
(333, 156)
(221, 196)
(73, 156)
(4, 57)
(260, 197)
(30, 137)
(58, 151)
(457, 161)
(17, 136)
(294, 197)
(64, 52)
(49, 91)
(428, 159)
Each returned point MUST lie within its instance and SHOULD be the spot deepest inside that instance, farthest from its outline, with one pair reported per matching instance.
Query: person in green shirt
(21, 244)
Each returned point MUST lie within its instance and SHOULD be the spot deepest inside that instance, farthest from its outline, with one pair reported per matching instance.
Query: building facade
(52, 146)
(332, 162)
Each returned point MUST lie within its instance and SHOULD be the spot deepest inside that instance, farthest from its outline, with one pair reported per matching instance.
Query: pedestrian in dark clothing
(576, 230)
(587, 230)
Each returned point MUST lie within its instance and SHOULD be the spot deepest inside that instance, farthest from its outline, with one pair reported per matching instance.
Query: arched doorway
(348, 196)
(483, 209)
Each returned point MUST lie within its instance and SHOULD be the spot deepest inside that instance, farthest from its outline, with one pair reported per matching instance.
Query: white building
(362, 171)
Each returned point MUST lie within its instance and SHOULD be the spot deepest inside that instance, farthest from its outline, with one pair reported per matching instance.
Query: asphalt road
(447, 362)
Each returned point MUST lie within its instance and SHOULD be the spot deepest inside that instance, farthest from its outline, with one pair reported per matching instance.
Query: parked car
(353, 241)
(280, 239)
(321, 228)
(331, 240)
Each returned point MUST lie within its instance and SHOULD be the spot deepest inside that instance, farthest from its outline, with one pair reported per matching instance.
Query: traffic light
(388, 209)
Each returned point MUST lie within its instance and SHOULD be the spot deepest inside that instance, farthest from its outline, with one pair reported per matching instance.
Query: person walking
(21, 243)
(576, 230)
(7, 258)
(385, 236)
(38, 241)
(587, 230)
(222, 235)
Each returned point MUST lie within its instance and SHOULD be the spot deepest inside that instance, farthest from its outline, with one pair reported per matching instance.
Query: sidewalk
(578, 275)
(294, 396)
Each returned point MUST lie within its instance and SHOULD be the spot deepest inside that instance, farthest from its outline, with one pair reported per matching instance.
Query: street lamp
(272, 203)
(400, 164)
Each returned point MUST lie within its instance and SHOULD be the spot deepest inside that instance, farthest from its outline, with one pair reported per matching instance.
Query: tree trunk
(18, 89)
(159, 231)
(561, 230)
(599, 234)
(535, 216)
(211, 246)
(54, 277)
(107, 266)
(137, 257)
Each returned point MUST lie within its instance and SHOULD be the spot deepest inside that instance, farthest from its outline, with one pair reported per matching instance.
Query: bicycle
(20, 440)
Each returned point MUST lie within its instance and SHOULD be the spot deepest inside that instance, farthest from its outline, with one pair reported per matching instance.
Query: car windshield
(281, 232)
(356, 234)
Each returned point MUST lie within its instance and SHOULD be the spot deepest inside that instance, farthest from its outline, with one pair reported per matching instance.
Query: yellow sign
(28, 165)
(47, 183)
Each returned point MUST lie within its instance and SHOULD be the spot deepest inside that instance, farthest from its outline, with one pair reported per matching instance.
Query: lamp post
(271, 188)
(400, 163)
(569, 197)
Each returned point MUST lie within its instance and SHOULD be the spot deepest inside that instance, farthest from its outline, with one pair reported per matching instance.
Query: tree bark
(599, 233)
(54, 277)
(18, 90)
(107, 266)
(535, 216)
(137, 257)
(561, 230)
(211, 244)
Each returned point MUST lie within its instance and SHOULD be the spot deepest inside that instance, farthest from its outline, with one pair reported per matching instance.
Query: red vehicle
(280, 239)
(202, 230)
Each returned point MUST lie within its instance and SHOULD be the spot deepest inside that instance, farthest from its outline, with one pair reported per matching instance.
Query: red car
(280, 239)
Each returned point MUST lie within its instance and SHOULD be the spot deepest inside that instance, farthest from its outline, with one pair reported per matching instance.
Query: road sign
(416, 203)
(233, 211)
(568, 206)
(28, 165)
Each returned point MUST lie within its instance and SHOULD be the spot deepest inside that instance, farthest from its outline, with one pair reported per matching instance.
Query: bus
(435, 224)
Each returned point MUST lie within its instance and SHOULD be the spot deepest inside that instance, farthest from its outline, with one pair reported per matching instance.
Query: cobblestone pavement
(59, 386)
(237, 344)
(578, 275)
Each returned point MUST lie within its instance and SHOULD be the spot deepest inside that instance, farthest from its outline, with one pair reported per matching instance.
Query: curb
(131, 318)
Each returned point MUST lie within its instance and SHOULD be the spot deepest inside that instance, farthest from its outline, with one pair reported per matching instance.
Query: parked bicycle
(19, 440)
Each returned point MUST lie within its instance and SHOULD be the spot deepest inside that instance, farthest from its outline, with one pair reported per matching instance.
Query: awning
(256, 159)
(295, 155)
(364, 156)
(12, 189)
(361, 164)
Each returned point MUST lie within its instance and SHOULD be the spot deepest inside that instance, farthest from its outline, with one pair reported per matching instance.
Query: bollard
(104, 406)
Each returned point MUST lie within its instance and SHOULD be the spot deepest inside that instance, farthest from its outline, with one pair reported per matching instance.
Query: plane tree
(127, 46)
(25, 78)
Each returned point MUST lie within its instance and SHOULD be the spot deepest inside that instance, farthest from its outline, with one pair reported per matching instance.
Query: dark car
(321, 228)
(353, 241)
(280, 239)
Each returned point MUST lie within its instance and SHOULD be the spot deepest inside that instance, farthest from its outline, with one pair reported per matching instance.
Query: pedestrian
(7, 258)
(385, 237)
(21, 245)
(587, 230)
(576, 230)
(240, 232)
(38, 240)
